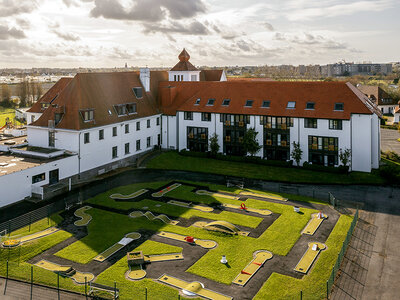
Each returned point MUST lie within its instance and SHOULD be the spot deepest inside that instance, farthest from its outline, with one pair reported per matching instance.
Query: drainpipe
(79, 155)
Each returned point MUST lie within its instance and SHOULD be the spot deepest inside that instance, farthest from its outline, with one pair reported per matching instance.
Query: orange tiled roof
(184, 64)
(376, 93)
(211, 75)
(98, 91)
(50, 95)
(181, 96)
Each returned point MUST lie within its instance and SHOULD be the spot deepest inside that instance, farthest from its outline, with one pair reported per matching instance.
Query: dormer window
(125, 109)
(226, 102)
(87, 115)
(266, 104)
(339, 106)
(291, 105)
(310, 105)
(57, 118)
(45, 105)
(138, 91)
(197, 102)
(210, 102)
(131, 108)
(249, 103)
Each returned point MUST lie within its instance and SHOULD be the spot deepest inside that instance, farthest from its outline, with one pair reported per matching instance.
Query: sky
(110, 33)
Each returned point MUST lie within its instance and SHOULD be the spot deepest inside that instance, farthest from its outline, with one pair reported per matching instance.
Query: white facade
(184, 75)
(387, 109)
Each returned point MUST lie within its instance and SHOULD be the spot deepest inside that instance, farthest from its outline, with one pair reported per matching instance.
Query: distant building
(378, 96)
(351, 69)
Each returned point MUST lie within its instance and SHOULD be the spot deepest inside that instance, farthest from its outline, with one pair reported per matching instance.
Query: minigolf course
(207, 244)
(128, 238)
(166, 190)
(265, 196)
(216, 194)
(243, 207)
(136, 272)
(66, 271)
(260, 257)
(190, 205)
(128, 197)
(192, 288)
(151, 217)
(309, 257)
(221, 226)
(314, 223)
(13, 242)
(85, 218)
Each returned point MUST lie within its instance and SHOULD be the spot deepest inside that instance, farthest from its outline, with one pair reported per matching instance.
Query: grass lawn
(313, 285)
(7, 113)
(38, 226)
(174, 161)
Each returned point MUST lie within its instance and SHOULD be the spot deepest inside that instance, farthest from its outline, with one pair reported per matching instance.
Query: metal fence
(339, 260)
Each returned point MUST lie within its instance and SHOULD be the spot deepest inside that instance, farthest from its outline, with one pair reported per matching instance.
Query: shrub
(337, 170)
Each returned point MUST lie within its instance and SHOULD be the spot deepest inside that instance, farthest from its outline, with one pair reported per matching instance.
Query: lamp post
(224, 260)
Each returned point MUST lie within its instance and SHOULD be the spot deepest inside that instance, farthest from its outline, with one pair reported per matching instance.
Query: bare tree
(5, 100)
(23, 93)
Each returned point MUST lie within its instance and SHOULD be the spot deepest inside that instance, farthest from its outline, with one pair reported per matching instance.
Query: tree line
(28, 92)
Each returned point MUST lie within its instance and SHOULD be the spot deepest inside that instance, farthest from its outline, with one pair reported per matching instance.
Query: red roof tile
(184, 64)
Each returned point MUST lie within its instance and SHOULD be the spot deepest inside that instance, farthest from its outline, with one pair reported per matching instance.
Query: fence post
(313, 193)
(115, 290)
(5, 285)
(301, 295)
(31, 282)
(145, 293)
(58, 285)
(327, 289)
(30, 221)
(86, 287)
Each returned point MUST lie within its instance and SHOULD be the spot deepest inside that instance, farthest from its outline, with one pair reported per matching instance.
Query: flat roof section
(11, 164)
(14, 141)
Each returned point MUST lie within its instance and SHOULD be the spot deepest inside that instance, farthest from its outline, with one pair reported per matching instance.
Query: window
(310, 105)
(206, 117)
(148, 142)
(126, 128)
(114, 152)
(52, 139)
(148, 123)
(137, 145)
(38, 178)
(131, 108)
(226, 102)
(158, 121)
(188, 115)
(310, 123)
(266, 104)
(87, 115)
(335, 124)
(210, 102)
(276, 122)
(114, 131)
(120, 109)
(194, 78)
(197, 101)
(138, 126)
(249, 103)
(138, 92)
(339, 106)
(291, 104)
(126, 148)
(101, 134)
(86, 138)
(57, 118)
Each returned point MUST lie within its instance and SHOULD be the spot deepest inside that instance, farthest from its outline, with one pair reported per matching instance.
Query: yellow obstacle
(313, 224)
(196, 288)
(191, 205)
(128, 197)
(85, 218)
(309, 257)
(163, 257)
(66, 271)
(271, 197)
(260, 257)
(136, 272)
(117, 246)
(166, 190)
(16, 241)
(207, 244)
(216, 194)
(220, 226)
(151, 217)
(263, 212)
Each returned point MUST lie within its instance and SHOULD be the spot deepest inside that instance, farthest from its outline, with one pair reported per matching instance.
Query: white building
(98, 122)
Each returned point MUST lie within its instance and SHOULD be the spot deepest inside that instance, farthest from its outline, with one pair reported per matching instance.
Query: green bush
(391, 173)
(337, 170)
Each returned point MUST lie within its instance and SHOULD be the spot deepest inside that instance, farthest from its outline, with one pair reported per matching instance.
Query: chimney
(145, 78)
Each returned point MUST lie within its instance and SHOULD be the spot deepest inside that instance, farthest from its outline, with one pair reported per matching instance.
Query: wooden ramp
(309, 257)
(195, 288)
(260, 257)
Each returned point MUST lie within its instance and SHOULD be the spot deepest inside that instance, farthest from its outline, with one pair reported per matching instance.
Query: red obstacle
(244, 272)
(243, 206)
(189, 239)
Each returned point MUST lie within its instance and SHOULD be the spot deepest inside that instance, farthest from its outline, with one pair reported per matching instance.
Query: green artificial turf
(40, 225)
(174, 161)
(313, 284)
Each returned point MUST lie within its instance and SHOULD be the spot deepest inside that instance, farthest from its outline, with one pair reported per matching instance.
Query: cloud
(12, 7)
(193, 28)
(7, 33)
(147, 10)
(67, 36)
(269, 26)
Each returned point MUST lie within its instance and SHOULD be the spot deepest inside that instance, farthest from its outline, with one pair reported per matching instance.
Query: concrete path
(389, 140)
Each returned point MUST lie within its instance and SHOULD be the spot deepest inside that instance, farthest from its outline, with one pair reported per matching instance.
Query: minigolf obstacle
(84, 217)
(128, 197)
(166, 190)
(309, 257)
(127, 239)
(221, 226)
(190, 205)
(243, 207)
(260, 257)
(16, 241)
(66, 271)
(314, 223)
(192, 288)
(217, 194)
(151, 217)
(207, 244)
